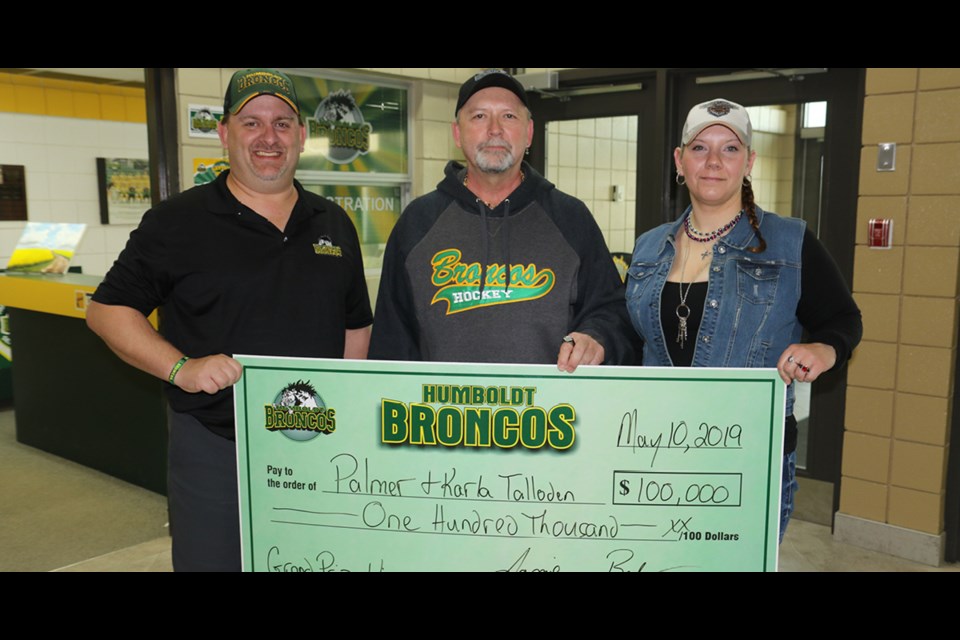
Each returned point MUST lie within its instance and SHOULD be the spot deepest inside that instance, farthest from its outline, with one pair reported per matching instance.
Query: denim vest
(749, 314)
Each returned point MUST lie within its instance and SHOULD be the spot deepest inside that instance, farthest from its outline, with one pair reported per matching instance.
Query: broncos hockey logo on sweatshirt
(459, 283)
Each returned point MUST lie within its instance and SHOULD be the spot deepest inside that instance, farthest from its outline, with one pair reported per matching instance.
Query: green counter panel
(76, 399)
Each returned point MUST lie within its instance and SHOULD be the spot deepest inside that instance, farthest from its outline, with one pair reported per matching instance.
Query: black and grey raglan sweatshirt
(548, 273)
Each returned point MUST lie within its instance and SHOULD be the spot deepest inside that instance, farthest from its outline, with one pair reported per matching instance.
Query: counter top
(62, 295)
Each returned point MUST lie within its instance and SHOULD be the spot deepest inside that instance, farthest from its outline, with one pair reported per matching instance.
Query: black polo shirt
(227, 281)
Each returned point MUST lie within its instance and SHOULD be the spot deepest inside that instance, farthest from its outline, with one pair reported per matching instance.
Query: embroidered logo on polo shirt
(299, 413)
(325, 247)
(459, 283)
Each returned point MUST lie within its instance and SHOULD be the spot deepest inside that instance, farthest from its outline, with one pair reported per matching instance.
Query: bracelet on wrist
(176, 368)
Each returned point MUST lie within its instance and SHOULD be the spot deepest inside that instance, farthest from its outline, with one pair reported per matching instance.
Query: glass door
(595, 160)
(598, 140)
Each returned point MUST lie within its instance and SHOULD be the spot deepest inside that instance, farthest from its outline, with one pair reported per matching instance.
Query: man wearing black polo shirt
(250, 263)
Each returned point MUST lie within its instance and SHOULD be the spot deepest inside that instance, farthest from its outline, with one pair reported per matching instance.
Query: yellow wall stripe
(71, 99)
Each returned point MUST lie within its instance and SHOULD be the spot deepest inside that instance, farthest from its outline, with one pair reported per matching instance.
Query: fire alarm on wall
(880, 233)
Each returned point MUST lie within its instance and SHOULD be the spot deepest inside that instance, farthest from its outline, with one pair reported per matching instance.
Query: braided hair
(750, 207)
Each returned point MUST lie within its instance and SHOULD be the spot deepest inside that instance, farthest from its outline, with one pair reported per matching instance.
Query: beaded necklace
(700, 236)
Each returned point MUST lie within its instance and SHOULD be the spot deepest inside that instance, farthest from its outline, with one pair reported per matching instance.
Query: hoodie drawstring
(485, 244)
(505, 231)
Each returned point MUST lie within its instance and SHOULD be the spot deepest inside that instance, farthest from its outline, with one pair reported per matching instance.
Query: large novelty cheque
(377, 466)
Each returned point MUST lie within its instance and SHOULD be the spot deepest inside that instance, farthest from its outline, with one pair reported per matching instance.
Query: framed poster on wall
(124, 187)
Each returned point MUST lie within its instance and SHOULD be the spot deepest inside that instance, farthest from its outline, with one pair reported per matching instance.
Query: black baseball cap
(487, 79)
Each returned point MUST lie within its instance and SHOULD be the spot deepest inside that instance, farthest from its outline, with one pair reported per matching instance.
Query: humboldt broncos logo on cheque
(299, 413)
(459, 283)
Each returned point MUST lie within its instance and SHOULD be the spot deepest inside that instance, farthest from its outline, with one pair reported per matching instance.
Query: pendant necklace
(695, 235)
(683, 311)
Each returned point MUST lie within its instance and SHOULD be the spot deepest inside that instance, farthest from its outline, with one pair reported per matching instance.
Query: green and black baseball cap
(247, 84)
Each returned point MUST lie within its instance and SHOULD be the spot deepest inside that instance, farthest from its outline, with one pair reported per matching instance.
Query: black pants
(202, 494)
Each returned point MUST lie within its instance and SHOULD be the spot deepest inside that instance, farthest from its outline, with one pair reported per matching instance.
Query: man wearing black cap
(551, 293)
(235, 268)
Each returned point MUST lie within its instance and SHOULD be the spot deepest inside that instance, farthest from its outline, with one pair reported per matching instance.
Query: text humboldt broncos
(477, 417)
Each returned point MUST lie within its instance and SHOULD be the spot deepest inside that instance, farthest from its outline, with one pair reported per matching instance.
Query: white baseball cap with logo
(718, 111)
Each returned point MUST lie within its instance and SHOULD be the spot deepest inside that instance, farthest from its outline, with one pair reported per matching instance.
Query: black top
(228, 281)
(671, 322)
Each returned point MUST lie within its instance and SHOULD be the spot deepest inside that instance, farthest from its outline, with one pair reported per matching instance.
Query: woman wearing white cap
(730, 285)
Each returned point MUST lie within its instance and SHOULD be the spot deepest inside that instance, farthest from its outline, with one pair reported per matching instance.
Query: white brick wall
(59, 156)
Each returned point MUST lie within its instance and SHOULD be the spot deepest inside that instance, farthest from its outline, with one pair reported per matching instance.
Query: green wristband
(177, 367)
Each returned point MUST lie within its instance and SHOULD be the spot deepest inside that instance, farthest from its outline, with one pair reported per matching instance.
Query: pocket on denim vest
(639, 276)
(757, 283)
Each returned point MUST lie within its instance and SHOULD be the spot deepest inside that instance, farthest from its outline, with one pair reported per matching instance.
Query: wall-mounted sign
(354, 127)
(374, 210)
(203, 120)
(206, 170)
